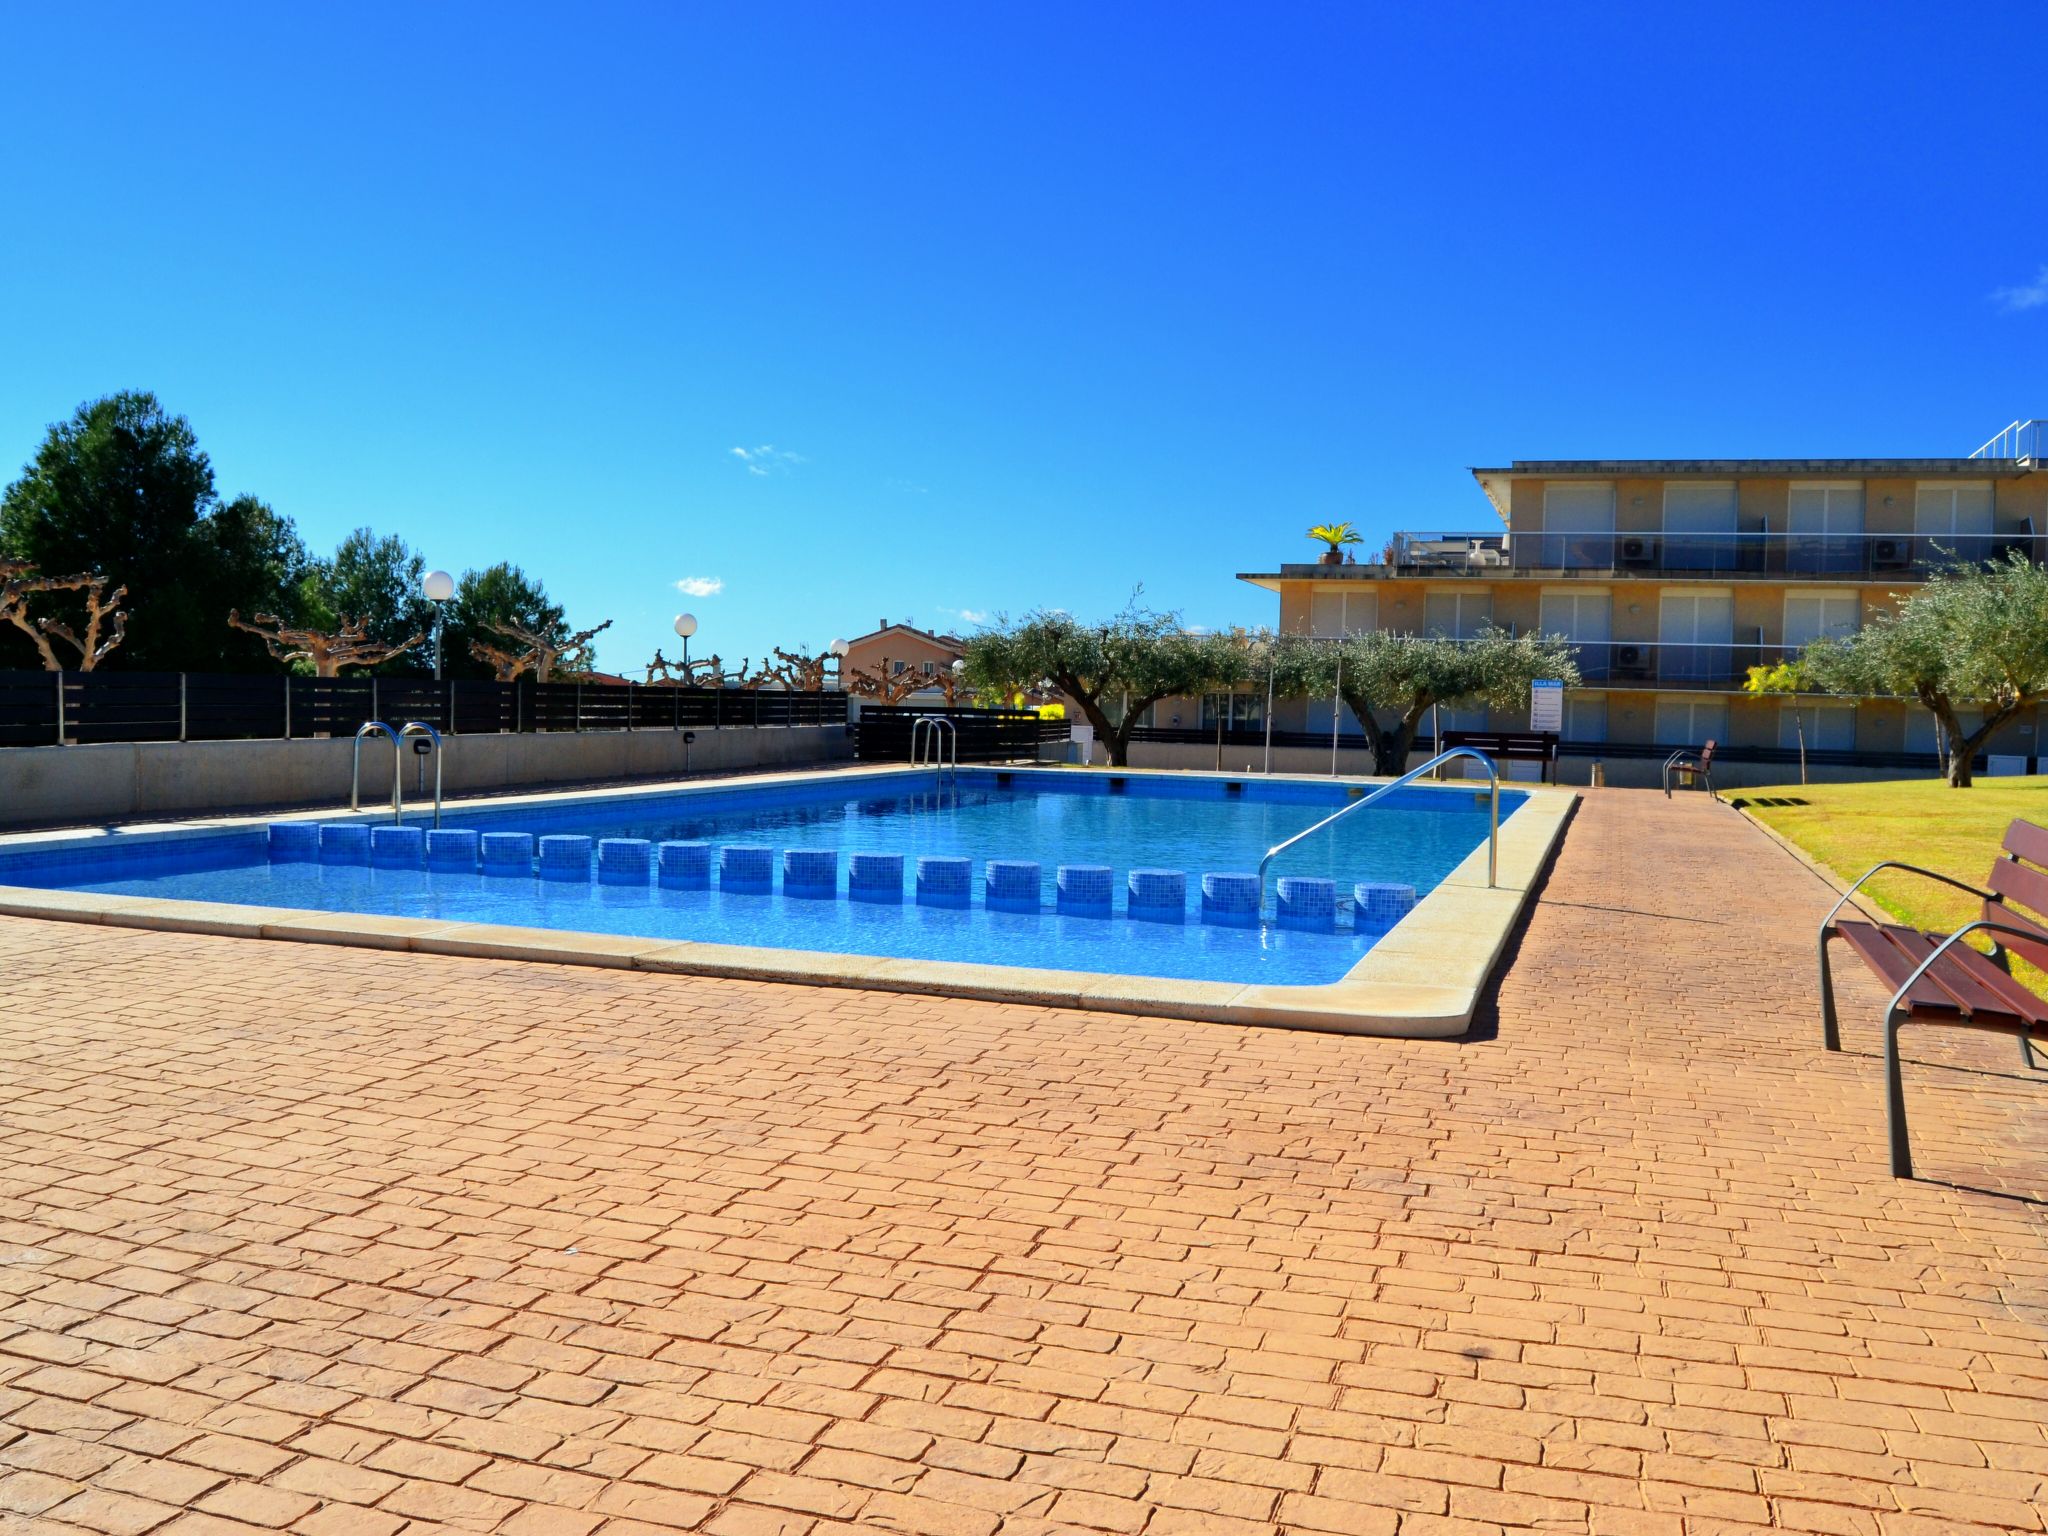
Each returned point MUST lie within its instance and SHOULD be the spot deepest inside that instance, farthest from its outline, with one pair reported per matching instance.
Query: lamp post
(839, 648)
(686, 626)
(439, 587)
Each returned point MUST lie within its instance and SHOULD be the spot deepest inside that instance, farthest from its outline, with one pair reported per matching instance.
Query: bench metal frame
(1686, 761)
(1896, 1011)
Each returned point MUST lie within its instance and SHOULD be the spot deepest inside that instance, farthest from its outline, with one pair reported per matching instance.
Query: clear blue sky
(1009, 305)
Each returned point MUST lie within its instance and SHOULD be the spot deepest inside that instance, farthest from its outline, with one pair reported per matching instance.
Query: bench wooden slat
(2024, 840)
(1964, 983)
(2020, 883)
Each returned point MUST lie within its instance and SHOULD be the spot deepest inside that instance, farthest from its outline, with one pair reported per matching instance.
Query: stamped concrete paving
(341, 1242)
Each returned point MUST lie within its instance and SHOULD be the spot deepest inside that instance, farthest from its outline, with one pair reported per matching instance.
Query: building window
(1335, 613)
(1699, 525)
(1691, 722)
(1811, 616)
(896, 668)
(1238, 711)
(1578, 527)
(1923, 733)
(1456, 615)
(928, 668)
(1585, 718)
(1825, 531)
(1828, 727)
(1696, 636)
(1952, 517)
(1584, 617)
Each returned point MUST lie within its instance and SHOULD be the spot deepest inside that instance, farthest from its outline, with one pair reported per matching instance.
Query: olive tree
(1973, 637)
(1124, 664)
(1391, 681)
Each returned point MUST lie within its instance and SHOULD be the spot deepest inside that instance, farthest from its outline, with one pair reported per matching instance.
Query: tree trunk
(1390, 752)
(1962, 750)
(1118, 747)
(1389, 745)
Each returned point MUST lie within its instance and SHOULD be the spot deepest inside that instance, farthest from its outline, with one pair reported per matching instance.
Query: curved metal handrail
(420, 727)
(942, 736)
(1492, 836)
(355, 777)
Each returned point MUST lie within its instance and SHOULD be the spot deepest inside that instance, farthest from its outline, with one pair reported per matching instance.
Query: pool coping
(1422, 979)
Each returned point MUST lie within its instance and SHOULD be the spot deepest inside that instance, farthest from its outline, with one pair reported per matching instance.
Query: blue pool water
(1196, 825)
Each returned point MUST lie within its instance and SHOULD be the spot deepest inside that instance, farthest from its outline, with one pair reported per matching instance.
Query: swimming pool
(988, 880)
(1189, 827)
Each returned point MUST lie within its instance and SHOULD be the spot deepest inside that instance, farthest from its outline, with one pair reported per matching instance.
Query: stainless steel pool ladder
(1492, 836)
(421, 728)
(940, 744)
(355, 777)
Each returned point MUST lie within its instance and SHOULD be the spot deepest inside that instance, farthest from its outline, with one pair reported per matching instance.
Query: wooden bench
(1510, 747)
(1936, 978)
(1686, 766)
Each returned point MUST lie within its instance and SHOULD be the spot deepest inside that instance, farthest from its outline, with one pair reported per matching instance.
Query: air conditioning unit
(1637, 551)
(1630, 658)
(1888, 553)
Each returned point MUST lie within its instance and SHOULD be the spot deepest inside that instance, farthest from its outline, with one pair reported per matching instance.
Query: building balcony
(1755, 555)
(1713, 666)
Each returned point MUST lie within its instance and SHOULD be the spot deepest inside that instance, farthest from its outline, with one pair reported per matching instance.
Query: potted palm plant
(1336, 535)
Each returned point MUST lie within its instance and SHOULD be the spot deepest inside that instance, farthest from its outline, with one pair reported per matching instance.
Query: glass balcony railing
(1668, 664)
(1872, 555)
(1713, 665)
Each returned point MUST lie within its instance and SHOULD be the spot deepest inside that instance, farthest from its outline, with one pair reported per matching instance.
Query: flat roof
(1619, 467)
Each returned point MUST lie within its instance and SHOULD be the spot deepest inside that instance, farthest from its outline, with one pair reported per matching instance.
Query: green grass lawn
(1849, 827)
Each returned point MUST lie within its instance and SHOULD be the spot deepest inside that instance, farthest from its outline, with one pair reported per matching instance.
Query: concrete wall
(63, 786)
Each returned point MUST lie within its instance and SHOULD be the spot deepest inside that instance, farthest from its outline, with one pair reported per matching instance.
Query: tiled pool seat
(344, 843)
(945, 882)
(810, 871)
(452, 848)
(397, 847)
(1378, 905)
(565, 856)
(1157, 895)
(625, 860)
(508, 853)
(686, 866)
(1085, 890)
(294, 842)
(1012, 885)
(874, 876)
(1231, 899)
(746, 867)
(1307, 902)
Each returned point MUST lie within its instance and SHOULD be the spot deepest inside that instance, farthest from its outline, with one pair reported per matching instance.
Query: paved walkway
(352, 1244)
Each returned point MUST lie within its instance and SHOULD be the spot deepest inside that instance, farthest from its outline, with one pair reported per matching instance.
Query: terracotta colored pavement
(353, 1244)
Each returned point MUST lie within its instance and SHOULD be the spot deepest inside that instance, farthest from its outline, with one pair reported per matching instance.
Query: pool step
(1223, 898)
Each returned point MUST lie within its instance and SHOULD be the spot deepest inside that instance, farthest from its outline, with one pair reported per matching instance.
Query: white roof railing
(2022, 441)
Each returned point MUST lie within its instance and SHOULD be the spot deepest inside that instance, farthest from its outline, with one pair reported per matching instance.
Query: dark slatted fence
(882, 734)
(42, 708)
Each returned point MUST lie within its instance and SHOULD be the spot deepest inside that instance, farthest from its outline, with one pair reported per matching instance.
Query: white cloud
(2026, 296)
(701, 586)
(767, 459)
(966, 615)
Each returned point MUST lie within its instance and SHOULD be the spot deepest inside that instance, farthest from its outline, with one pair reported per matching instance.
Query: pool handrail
(1492, 836)
(420, 727)
(943, 734)
(355, 777)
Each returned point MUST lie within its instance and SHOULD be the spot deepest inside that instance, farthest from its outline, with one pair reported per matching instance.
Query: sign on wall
(1546, 705)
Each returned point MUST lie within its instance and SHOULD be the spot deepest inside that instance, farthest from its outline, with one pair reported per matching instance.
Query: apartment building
(1673, 577)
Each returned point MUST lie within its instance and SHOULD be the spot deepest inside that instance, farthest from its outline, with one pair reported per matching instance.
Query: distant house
(894, 649)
